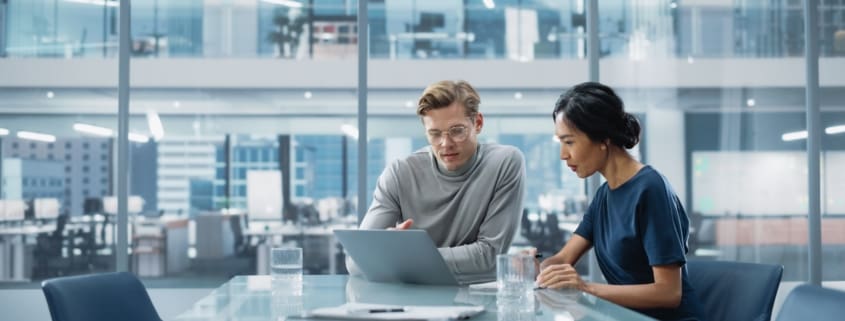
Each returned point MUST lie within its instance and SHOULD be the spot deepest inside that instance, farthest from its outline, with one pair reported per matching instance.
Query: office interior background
(243, 123)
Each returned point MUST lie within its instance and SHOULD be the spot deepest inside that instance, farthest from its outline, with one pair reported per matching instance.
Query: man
(466, 195)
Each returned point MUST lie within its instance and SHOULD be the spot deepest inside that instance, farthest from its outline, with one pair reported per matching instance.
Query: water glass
(515, 276)
(286, 271)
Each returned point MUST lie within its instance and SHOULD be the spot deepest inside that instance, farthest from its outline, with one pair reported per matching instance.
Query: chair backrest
(99, 297)
(735, 290)
(809, 302)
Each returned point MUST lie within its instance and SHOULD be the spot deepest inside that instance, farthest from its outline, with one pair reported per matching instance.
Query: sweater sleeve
(476, 262)
(384, 211)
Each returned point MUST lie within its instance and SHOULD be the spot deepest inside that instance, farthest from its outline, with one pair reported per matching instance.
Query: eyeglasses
(457, 133)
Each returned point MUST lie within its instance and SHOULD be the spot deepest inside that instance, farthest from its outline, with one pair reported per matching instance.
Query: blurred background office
(243, 130)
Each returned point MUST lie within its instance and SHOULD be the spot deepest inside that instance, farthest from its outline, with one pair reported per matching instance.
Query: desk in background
(13, 256)
(251, 298)
(273, 235)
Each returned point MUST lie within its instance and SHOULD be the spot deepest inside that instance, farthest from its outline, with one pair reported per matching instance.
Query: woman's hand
(560, 276)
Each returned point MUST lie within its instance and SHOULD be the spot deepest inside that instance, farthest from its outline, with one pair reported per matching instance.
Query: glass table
(247, 298)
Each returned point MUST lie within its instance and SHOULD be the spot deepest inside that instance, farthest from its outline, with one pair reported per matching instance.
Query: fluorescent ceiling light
(794, 136)
(93, 130)
(489, 4)
(37, 136)
(349, 130)
(4, 132)
(838, 129)
(832, 130)
(286, 3)
(156, 128)
(138, 138)
(97, 2)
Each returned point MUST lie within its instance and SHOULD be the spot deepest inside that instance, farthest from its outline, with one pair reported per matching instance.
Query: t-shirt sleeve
(661, 221)
(585, 228)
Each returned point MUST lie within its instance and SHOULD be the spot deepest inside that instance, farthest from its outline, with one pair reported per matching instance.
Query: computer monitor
(264, 194)
(14, 210)
(135, 206)
(46, 208)
(92, 205)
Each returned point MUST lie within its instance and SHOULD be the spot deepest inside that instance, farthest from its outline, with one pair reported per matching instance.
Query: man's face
(453, 136)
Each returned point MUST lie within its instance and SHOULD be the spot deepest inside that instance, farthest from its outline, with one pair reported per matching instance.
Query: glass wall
(740, 163)
(57, 168)
(244, 121)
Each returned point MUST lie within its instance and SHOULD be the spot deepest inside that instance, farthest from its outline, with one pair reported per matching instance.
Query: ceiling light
(349, 130)
(4, 132)
(98, 3)
(138, 138)
(307, 95)
(37, 136)
(750, 102)
(794, 136)
(286, 3)
(50, 95)
(838, 129)
(93, 130)
(409, 104)
(156, 128)
(489, 4)
(517, 95)
(176, 104)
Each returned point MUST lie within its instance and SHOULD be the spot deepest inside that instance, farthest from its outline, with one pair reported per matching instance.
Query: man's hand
(403, 226)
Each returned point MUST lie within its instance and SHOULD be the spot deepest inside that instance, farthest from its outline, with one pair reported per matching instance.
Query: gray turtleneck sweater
(471, 213)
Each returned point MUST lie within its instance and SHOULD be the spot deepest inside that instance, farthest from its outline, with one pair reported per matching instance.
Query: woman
(635, 223)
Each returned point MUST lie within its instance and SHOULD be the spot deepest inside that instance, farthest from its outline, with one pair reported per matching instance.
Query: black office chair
(99, 297)
(735, 290)
(48, 250)
(809, 302)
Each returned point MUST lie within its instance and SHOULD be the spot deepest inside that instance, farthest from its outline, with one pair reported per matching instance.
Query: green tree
(287, 33)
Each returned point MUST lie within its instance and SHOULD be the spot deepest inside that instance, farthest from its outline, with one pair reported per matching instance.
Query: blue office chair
(735, 290)
(809, 302)
(99, 297)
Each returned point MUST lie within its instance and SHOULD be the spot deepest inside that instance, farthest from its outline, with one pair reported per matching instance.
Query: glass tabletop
(247, 298)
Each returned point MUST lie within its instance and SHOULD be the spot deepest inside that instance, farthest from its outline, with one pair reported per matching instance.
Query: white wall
(279, 73)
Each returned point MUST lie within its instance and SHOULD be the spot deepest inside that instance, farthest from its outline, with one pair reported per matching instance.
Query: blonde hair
(444, 93)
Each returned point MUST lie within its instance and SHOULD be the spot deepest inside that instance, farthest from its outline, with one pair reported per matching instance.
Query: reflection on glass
(55, 176)
(563, 303)
(523, 308)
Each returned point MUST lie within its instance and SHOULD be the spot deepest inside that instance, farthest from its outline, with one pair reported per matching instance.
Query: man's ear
(479, 122)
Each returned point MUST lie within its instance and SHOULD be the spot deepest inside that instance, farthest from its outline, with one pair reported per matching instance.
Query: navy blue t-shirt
(636, 226)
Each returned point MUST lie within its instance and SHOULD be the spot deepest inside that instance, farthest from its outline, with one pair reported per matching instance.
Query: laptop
(407, 256)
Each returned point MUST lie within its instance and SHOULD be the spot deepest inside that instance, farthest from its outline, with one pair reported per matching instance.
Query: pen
(386, 310)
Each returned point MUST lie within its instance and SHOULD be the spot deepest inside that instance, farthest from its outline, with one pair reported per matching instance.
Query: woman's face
(582, 155)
